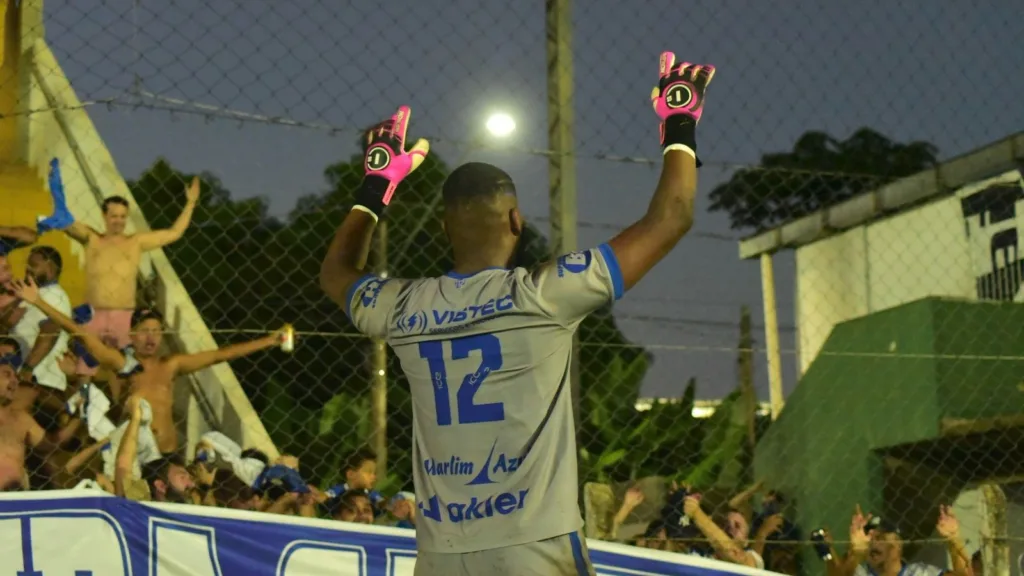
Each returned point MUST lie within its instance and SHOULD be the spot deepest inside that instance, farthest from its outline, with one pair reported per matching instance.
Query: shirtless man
(9, 346)
(150, 375)
(19, 431)
(112, 265)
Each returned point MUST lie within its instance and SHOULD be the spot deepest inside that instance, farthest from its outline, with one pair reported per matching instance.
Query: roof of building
(900, 195)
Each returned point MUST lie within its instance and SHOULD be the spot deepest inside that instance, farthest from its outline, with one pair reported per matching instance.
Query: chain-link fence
(899, 314)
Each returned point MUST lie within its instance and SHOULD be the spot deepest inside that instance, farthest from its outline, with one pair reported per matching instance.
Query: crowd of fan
(86, 393)
(86, 397)
(760, 536)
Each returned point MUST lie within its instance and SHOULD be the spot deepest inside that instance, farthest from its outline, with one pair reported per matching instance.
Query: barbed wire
(212, 113)
(664, 347)
(228, 114)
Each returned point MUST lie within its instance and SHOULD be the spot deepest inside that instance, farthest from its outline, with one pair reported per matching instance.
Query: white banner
(84, 533)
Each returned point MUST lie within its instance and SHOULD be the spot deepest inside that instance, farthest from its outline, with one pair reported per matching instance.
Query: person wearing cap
(112, 264)
(20, 432)
(150, 374)
(43, 343)
(876, 548)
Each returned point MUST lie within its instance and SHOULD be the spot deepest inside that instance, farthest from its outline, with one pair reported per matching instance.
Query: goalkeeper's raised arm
(387, 163)
(679, 101)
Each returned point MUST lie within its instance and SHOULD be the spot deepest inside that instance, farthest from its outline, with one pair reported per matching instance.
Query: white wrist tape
(681, 147)
(368, 211)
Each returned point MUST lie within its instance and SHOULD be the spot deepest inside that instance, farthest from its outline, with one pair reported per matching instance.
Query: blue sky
(945, 71)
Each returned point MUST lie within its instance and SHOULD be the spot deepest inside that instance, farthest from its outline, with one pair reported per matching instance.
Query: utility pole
(379, 364)
(562, 159)
(771, 335)
(745, 365)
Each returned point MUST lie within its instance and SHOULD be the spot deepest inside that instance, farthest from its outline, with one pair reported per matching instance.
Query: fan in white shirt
(42, 342)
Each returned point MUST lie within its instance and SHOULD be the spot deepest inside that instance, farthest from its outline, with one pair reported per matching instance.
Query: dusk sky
(946, 71)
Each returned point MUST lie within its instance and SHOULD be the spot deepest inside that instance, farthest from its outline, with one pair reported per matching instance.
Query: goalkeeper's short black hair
(476, 180)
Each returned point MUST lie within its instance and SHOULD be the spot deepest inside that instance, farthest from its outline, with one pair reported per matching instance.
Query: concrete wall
(960, 247)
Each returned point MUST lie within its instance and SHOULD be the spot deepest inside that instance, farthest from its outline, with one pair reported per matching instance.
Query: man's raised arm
(10, 314)
(386, 163)
(61, 219)
(19, 234)
(80, 232)
(679, 102)
(128, 449)
(188, 363)
(346, 257)
(108, 357)
(160, 238)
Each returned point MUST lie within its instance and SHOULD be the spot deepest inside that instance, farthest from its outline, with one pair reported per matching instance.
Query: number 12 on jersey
(469, 412)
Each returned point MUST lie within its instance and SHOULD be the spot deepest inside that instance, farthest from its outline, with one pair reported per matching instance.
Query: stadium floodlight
(500, 125)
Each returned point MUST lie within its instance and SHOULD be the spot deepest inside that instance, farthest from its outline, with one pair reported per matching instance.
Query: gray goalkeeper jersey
(487, 358)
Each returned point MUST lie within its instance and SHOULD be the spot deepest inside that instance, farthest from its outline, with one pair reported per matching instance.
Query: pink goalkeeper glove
(387, 163)
(679, 102)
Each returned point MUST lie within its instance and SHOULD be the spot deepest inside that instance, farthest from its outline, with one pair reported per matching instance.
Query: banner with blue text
(84, 533)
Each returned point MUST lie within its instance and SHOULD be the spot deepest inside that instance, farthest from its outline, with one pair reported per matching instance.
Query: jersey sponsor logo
(413, 323)
(453, 466)
(456, 466)
(371, 291)
(503, 464)
(502, 504)
(574, 263)
(474, 312)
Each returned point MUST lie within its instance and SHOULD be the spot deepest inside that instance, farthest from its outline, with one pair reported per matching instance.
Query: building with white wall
(955, 231)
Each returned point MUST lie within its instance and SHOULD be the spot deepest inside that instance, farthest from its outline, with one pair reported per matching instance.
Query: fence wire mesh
(900, 330)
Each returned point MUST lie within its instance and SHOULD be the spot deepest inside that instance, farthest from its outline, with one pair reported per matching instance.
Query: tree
(248, 271)
(820, 171)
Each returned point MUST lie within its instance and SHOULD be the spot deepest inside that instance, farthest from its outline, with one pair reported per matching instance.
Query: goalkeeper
(487, 347)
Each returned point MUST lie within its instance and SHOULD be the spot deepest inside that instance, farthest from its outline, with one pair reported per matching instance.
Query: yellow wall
(9, 82)
(25, 198)
(23, 193)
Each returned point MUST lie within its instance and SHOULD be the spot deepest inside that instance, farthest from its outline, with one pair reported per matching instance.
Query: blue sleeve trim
(352, 292)
(613, 269)
(578, 555)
